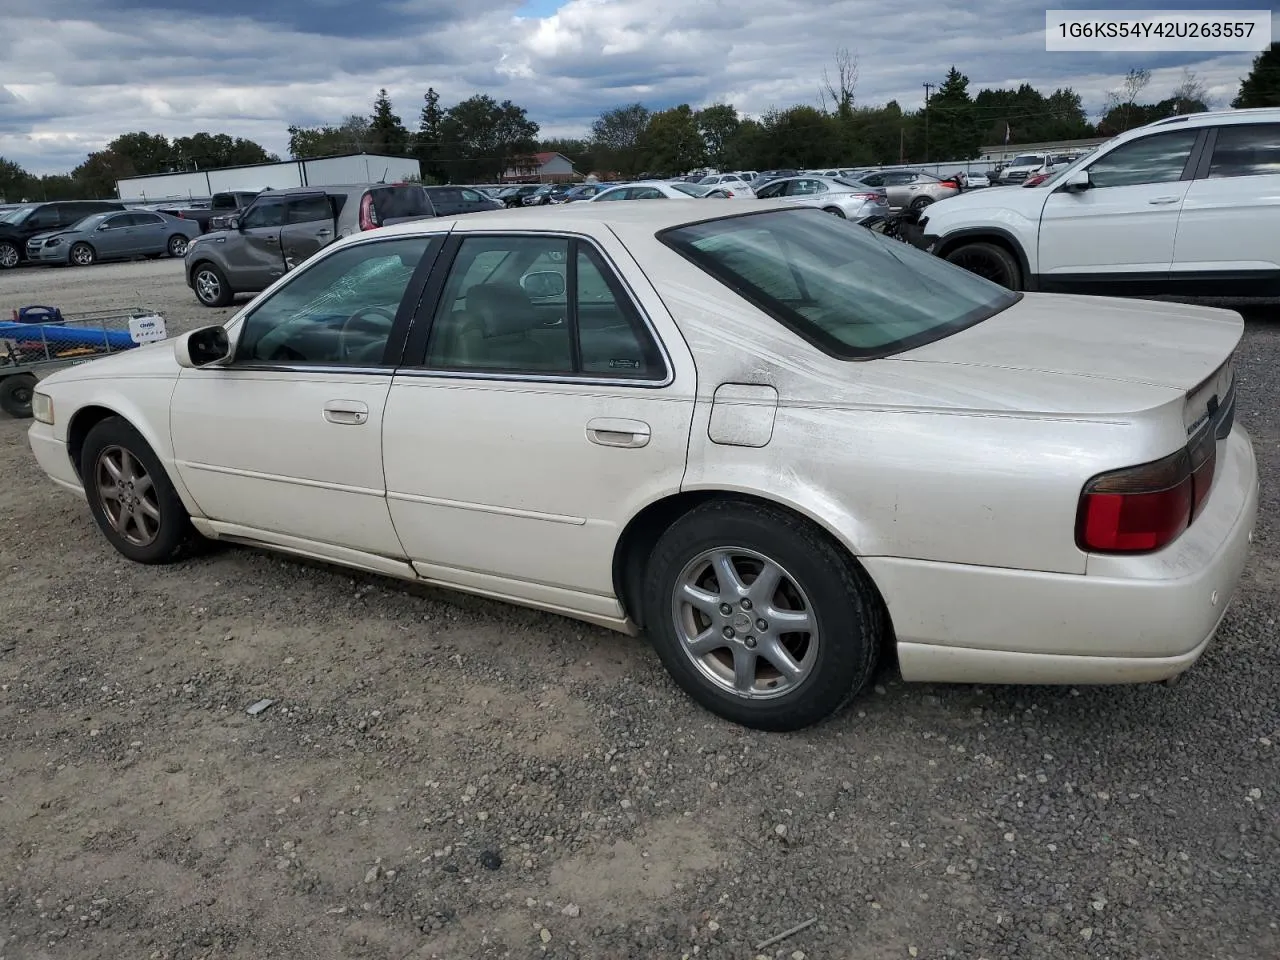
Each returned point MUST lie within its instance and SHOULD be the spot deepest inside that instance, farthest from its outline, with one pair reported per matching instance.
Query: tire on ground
(224, 294)
(15, 395)
(996, 263)
(846, 608)
(176, 538)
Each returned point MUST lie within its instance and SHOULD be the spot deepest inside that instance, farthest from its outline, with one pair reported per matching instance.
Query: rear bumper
(1130, 619)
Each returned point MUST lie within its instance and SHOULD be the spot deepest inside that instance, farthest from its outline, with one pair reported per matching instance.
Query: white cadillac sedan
(776, 442)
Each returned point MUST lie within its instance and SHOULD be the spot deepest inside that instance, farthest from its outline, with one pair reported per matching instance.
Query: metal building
(319, 172)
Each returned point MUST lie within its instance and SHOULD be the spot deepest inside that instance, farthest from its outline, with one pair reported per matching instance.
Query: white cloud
(77, 75)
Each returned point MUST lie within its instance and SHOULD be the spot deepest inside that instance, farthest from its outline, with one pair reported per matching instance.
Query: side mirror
(206, 347)
(544, 283)
(1077, 181)
(233, 223)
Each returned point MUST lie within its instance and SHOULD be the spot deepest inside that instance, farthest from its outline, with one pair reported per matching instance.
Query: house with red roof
(541, 168)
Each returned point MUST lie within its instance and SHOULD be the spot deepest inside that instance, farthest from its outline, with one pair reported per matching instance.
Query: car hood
(1021, 201)
(148, 360)
(50, 234)
(1128, 341)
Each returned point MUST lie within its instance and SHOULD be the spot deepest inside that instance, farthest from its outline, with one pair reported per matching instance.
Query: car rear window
(401, 201)
(852, 293)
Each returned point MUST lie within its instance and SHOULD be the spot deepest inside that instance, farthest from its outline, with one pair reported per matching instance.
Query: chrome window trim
(667, 363)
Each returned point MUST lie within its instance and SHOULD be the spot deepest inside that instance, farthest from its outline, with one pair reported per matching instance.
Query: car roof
(650, 217)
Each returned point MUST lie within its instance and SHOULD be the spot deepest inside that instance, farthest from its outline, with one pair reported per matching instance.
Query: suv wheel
(9, 255)
(211, 286)
(989, 261)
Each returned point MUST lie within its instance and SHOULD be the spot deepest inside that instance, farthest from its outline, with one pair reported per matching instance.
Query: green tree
(718, 124)
(953, 129)
(616, 134)
(351, 136)
(203, 151)
(1261, 88)
(15, 183)
(142, 153)
(428, 143)
(387, 134)
(799, 137)
(487, 137)
(672, 144)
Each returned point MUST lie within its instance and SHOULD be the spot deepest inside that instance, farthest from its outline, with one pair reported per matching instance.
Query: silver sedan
(114, 236)
(850, 199)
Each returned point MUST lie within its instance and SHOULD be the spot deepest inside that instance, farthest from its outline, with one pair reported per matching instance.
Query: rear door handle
(608, 432)
(1163, 200)
(349, 412)
(270, 238)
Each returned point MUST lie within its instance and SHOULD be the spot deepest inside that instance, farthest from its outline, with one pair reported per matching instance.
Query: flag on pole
(1006, 133)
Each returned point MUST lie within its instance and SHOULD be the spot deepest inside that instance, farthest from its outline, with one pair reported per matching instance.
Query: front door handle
(349, 412)
(618, 433)
(1163, 200)
(324, 233)
(271, 239)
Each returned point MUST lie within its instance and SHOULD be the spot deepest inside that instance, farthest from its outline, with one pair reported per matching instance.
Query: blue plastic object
(60, 337)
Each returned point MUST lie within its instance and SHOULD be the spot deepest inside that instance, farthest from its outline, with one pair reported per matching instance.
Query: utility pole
(927, 88)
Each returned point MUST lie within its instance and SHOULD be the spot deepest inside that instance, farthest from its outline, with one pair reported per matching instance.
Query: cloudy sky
(74, 73)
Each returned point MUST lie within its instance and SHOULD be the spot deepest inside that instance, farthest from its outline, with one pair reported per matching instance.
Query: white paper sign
(147, 329)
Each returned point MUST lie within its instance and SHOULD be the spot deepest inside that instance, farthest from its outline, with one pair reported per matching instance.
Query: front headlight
(53, 242)
(42, 407)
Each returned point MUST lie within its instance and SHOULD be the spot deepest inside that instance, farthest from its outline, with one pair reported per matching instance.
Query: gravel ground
(442, 776)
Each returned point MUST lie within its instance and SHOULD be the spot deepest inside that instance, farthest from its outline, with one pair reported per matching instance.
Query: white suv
(1187, 206)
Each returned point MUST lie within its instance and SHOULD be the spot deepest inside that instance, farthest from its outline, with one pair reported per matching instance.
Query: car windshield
(1028, 160)
(850, 292)
(86, 223)
(16, 216)
(692, 189)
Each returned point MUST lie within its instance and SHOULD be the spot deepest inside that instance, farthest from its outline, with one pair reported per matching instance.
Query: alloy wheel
(178, 247)
(82, 255)
(8, 256)
(128, 496)
(745, 623)
(208, 286)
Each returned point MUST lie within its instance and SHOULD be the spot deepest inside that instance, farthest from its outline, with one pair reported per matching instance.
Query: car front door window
(1156, 159)
(268, 214)
(339, 311)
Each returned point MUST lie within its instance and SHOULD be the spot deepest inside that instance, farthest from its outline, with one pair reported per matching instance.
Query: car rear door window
(1247, 150)
(401, 201)
(1160, 158)
(309, 209)
(144, 219)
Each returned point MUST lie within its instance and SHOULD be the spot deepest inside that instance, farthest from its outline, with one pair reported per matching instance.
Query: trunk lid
(1132, 341)
(1109, 342)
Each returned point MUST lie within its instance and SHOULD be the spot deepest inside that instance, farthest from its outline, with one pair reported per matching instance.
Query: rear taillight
(1145, 508)
(368, 215)
(865, 196)
(948, 183)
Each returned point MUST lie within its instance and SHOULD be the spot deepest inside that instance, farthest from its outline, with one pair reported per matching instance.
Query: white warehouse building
(320, 172)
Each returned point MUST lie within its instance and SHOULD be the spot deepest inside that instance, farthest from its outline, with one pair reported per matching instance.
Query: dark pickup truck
(220, 205)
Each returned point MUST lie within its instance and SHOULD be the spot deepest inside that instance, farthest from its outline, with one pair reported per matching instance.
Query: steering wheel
(381, 318)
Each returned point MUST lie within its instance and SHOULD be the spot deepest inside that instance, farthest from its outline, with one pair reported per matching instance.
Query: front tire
(15, 395)
(759, 617)
(131, 496)
(990, 261)
(82, 255)
(177, 246)
(211, 286)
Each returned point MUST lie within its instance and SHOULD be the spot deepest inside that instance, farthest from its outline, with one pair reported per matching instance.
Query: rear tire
(835, 212)
(82, 255)
(9, 255)
(210, 285)
(15, 395)
(919, 203)
(131, 496)
(177, 246)
(990, 261)
(746, 665)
